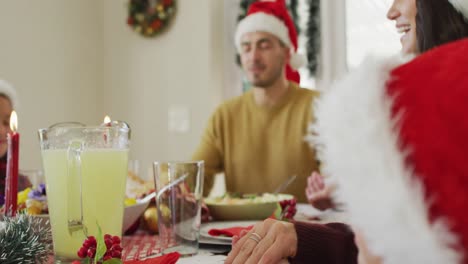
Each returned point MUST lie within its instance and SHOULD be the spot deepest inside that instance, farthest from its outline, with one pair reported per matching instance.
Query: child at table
(8, 102)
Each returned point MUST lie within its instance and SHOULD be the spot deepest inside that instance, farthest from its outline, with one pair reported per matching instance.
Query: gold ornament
(140, 17)
(160, 8)
(150, 219)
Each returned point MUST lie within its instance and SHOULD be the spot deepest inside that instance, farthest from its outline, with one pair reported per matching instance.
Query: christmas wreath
(150, 17)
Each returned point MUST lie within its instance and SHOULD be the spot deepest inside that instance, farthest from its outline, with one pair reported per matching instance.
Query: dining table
(142, 245)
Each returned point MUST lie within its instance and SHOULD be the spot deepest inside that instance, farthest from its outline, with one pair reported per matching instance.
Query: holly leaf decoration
(278, 212)
(100, 246)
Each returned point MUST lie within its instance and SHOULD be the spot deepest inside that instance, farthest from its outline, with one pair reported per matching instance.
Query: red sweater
(325, 244)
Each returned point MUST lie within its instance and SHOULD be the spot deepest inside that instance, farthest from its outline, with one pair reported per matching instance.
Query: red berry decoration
(288, 209)
(113, 248)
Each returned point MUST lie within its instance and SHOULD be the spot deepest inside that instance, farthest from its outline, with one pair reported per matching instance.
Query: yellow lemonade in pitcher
(103, 179)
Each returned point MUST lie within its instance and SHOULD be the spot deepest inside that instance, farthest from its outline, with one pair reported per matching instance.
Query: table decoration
(11, 186)
(101, 249)
(24, 239)
(150, 17)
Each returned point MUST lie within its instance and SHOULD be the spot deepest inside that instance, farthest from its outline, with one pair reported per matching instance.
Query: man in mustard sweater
(257, 139)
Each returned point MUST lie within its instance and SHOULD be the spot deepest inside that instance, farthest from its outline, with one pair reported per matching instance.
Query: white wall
(49, 51)
(78, 60)
(143, 78)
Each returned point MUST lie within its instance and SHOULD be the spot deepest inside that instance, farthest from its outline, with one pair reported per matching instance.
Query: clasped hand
(270, 241)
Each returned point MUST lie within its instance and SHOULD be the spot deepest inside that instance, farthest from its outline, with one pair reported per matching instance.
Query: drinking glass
(179, 190)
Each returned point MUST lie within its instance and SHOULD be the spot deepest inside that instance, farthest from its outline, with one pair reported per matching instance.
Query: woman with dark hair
(446, 23)
(7, 104)
(426, 24)
(401, 168)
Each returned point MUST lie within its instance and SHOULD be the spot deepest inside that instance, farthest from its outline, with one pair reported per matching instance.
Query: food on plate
(129, 201)
(33, 200)
(235, 198)
(137, 187)
(252, 206)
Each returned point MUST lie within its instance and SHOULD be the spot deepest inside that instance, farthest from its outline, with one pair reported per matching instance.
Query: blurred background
(80, 60)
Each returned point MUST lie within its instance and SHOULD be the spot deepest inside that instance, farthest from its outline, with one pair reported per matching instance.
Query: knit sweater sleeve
(326, 244)
(209, 150)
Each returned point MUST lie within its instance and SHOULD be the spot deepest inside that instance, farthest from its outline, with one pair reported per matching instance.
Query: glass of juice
(86, 171)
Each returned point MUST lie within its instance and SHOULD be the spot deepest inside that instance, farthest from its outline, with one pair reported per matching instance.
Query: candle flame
(107, 120)
(13, 121)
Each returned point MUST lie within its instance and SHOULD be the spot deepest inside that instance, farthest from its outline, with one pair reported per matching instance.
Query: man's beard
(269, 80)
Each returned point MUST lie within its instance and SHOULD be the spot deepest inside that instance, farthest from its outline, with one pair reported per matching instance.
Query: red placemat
(140, 246)
(230, 232)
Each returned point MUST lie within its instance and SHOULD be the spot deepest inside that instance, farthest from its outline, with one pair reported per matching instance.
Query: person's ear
(287, 52)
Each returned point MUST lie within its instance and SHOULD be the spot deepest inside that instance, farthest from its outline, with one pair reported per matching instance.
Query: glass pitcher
(85, 170)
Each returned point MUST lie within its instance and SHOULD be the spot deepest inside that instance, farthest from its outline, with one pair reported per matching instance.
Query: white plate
(213, 241)
(205, 228)
(132, 213)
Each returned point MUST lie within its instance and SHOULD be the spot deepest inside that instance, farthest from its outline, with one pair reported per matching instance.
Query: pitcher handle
(74, 187)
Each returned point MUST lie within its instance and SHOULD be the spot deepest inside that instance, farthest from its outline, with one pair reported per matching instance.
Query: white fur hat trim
(9, 91)
(262, 22)
(359, 149)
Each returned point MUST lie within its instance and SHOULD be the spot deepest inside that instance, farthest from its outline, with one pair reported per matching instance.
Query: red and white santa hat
(8, 90)
(394, 135)
(273, 17)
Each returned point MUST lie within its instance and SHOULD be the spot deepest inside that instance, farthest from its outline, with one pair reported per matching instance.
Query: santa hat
(461, 6)
(273, 17)
(8, 90)
(394, 135)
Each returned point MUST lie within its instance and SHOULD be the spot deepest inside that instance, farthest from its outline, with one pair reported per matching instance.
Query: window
(368, 31)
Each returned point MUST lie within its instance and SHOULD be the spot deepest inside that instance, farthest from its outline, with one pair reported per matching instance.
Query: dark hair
(438, 22)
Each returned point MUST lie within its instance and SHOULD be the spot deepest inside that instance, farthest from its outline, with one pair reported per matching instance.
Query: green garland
(313, 36)
(24, 239)
(150, 17)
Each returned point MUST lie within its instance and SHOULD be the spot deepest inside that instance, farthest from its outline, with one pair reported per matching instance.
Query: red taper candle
(11, 186)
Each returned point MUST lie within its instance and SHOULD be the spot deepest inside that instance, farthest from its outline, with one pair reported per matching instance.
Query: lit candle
(107, 123)
(107, 120)
(11, 186)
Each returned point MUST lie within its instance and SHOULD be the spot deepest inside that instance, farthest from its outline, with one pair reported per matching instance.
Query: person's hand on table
(270, 241)
(205, 213)
(318, 193)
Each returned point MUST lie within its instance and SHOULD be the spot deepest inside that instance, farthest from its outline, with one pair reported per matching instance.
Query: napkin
(170, 258)
(230, 232)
